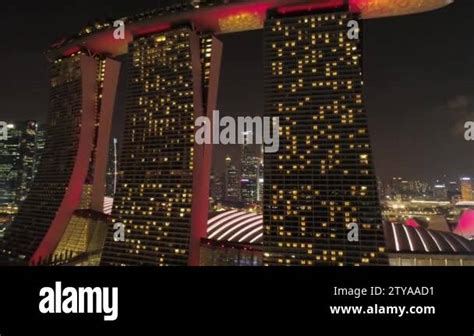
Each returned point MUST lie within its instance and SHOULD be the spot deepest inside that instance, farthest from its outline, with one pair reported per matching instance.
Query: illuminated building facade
(466, 189)
(217, 188)
(440, 192)
(232, 182)
(234, 238)
(322, 178)
(18, 155)
(27, 158)
(8, 158)
(112, 169)
(73, 164)
(163, 196)
(250, 175)
(83, 239)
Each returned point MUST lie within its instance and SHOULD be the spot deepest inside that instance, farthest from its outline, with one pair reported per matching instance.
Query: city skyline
(425, 126)
(319, 182)
(320, 147)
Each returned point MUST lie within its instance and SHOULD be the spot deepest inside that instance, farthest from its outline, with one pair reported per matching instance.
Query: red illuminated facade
(72, 170)
(219, 17)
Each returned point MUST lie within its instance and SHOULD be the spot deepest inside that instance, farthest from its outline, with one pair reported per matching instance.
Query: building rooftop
(220, 16)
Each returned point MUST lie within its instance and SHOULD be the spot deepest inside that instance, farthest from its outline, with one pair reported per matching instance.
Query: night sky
(419, 76)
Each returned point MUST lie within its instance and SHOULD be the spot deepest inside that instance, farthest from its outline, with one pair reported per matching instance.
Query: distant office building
(217, 188)
(440, 192)
(396, 185)
(396, 211)
(466, 189)
(250, 170)
(40, 143)
(380, 188)
(249, 190)
(321, 180)
(83, 240)
(418, 246)
(163, 196)
(232, 181)
(28, 152)
(234, 238)
(9, 161)
(405, 188)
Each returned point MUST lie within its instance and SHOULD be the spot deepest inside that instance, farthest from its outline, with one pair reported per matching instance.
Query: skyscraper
(73, 164)
(322, 179)
(9, 161)
(162, 198)
(27, 155)
(466, 189)
(440, 192)
(17, 157)
(250, 174)
(40, 142)
(112, 169)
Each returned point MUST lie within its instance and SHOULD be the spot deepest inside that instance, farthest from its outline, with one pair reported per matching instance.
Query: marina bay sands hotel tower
(317, 185)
